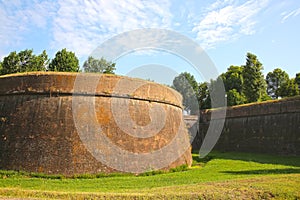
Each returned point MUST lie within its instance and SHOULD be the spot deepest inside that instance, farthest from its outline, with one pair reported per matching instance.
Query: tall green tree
(64, 61)
(297, 79)
(233, 83)
(99, 66)
(216, 89)
(203, 96)
(24, 61)
(1, 69)
(187, 86)
(233, 78)
(288, 89)
(10, 63)
(40, 63)
(274, 81)
(235, 98)
(254, 87)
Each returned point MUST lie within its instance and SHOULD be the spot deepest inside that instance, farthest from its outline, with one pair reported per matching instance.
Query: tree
(233, 82)
(274, 81)
(1, 69)
(235, 98)
(187, 86)
(10, 63)
(40, 62)
(64, 61)
(288, 89)
(254, 87)
(216, 89)
(297, 79)
(24, 61)
(100, 66)
(233, 78)
(203, 96)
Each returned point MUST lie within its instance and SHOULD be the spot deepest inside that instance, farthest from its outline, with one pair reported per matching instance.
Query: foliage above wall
(243, 84)
(64, 61)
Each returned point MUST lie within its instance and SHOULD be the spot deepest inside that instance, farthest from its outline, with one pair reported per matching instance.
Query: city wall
(269, 127)
(39, 131)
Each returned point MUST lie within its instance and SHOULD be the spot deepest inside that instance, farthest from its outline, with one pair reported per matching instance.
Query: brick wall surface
(269, 127)
(38, 132)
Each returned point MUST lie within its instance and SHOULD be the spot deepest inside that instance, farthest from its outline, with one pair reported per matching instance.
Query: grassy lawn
(218, 176)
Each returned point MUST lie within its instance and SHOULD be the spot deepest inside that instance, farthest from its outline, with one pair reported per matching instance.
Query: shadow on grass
(265, 171)
(260, 158)
(204, 160)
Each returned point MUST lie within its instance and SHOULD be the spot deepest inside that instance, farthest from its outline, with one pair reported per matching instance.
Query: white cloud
(19, 17)
(293, 13)
(227, 20)
(219, 4)
(79, 26)
(82, 25)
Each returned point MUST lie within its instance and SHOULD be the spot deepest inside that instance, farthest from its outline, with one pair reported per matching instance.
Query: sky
(226, 30)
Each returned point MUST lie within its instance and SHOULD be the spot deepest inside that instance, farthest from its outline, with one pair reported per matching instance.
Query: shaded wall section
(38, 132)
(269, 127)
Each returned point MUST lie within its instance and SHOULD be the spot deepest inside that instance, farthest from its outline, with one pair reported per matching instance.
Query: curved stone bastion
(72, 123)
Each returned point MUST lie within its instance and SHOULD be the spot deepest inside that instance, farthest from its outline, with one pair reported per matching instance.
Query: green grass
(218, 176)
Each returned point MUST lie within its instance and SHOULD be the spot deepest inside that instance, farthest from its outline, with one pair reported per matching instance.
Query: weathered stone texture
(268, 127)
(37, 128)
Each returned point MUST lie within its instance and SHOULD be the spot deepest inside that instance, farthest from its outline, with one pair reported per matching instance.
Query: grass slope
(218, 176)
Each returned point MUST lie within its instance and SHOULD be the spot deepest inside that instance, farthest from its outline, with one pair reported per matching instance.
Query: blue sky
(226, 30)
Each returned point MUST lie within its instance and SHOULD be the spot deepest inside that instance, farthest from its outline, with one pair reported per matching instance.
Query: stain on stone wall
(268, 127)
(38, 133)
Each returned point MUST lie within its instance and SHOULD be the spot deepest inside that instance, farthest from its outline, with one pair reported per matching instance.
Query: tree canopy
(288, 88)
(99, 66)
(246, 84)
(235, 98)
(233, 83)
(64, 61)
(233, 78)
(187, 86)
(254, 87)
(274, 80)
(297, 79)
(204, 96)
(24, 61)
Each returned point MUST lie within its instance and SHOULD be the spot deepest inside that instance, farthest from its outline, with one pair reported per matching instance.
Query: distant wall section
(268, 127)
